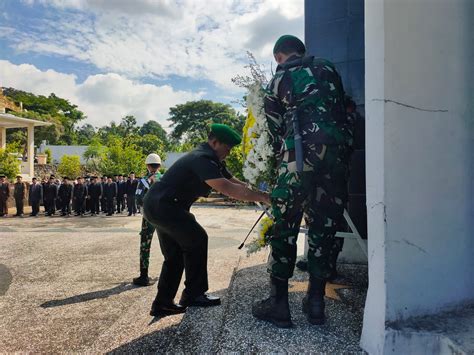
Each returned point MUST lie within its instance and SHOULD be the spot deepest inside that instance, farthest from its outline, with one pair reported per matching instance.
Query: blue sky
(118, 57)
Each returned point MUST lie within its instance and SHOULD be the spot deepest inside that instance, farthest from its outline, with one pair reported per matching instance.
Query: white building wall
(420, 160)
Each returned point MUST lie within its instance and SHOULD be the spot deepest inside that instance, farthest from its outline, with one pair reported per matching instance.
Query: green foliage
(49, 156)
(9, 164)
(154, 128)
(60, 112)
(235, 162)
(121, 158)
(85, 134)
(70, 166)
(190, 121)
(95, 154)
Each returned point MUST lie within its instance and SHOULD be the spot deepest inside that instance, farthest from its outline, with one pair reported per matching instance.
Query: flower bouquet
(259, 159)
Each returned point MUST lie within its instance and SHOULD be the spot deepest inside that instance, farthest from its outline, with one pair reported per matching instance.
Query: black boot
(275, 309)
(143, 279)
(313, 302)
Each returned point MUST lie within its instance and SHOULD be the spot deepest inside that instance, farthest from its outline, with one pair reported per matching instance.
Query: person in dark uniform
(95, 194)
(65, 197)
(4, 194)
(87, 182)
(50, 193)
(130, 191)
(19, 193)
(121, 186)
(79, 194)
(110, 192)
(103, 201)
(35, 196)
(183, 241)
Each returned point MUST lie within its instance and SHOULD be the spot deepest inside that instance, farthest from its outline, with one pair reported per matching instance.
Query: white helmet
(153, 159)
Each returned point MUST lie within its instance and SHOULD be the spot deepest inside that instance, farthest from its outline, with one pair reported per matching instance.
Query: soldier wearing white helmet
(153, 164)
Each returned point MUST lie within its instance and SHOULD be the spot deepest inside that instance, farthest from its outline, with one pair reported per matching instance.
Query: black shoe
(203, 300)
(143, 279)
(275, 309)
(162, 310)
(128, 215)
(313, 302)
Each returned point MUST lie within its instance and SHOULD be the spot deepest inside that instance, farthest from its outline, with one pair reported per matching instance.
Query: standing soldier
(65, 197)
(87, 183)
(103, 201)
(50, 193)
(79, 194)
(19, 193)
(311, 135)
(153, 164)
(110, 192)
(95, 194)
(121, 186)
(183, 241)
(4, 194)
(130, 190)
(35, 196)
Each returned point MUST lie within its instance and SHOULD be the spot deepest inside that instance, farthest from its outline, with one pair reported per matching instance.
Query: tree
(190, 121)
(154, 128)
(49, 155)
(9, 164)
(85, 134)
(70, 166)
(151, 144)
(95, 154)
(121, 158)
(235, 163)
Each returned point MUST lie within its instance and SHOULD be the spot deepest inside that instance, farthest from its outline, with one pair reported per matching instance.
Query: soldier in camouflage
(153, 164)
(312, 182)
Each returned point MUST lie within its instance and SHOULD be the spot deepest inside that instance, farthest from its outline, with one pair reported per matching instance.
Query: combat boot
(313, 302)
(275, 309)
(143, 279)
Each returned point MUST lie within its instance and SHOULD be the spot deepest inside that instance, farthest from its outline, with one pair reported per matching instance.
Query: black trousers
(65, 206)
(120, 203)
(110, 205)
(19, 205)
(3, 207)
(79, 206)
(95, 205)
(131, 204)
(103, 204)
(183, 243)
(49, 206)
(35, 207)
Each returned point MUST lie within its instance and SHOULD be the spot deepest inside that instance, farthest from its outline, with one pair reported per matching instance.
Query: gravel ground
(65, 287)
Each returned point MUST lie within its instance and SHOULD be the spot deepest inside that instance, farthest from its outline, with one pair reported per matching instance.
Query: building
(408, 64)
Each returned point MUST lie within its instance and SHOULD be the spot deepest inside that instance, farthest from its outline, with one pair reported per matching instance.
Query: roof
(10, 121)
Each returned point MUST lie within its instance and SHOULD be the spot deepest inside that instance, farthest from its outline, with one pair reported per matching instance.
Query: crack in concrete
(409, 106)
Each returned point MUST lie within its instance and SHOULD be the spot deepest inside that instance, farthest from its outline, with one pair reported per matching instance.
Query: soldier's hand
(266, 198)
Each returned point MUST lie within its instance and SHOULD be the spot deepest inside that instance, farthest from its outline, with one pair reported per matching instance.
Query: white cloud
(103, 97)
(146, 38)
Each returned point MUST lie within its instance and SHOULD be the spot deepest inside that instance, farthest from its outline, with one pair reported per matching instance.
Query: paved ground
(65, 287)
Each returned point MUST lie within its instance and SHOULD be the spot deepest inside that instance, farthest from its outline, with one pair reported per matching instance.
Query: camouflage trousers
(319, 193)
(146, 235)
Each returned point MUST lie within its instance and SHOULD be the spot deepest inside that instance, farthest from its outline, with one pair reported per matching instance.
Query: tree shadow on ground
(89, 296)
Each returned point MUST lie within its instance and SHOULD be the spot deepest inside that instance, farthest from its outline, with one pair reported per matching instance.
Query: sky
(114, 58)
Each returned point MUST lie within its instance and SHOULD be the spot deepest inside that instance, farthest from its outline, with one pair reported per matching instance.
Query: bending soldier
(183, 241)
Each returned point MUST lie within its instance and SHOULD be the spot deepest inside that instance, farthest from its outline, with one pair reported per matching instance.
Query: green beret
(225, 134)
(289, 42)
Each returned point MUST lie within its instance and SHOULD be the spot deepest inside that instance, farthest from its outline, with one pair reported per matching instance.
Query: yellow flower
(249, 123)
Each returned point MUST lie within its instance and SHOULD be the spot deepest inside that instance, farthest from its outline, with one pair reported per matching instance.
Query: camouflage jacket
(314, 88)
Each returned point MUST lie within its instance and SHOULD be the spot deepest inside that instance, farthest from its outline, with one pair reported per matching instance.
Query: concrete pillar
(31, 149)
(420, 162)
(3, 137)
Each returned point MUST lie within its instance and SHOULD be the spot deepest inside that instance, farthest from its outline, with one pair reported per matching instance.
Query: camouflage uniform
(314, 88)
(147, 230)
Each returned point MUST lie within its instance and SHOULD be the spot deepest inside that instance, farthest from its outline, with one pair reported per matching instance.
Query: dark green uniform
(313, 88)
(147, 230)
(183, 241)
